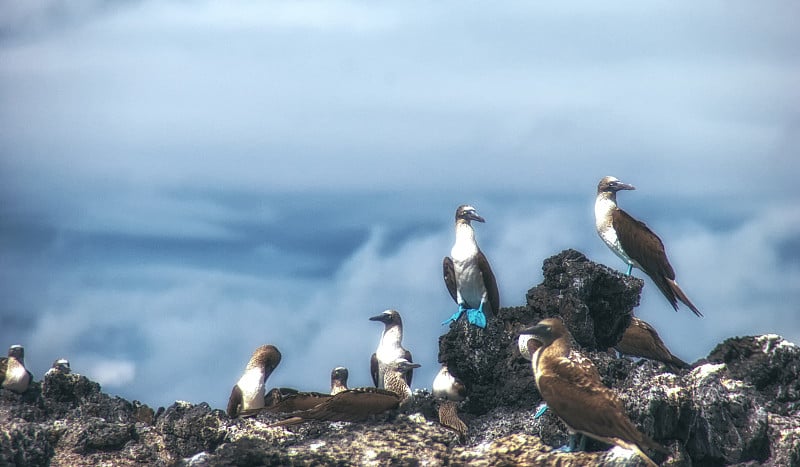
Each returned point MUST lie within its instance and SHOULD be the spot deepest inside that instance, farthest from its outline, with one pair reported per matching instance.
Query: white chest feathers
(252, 386)
(603, 207)
(17, 377)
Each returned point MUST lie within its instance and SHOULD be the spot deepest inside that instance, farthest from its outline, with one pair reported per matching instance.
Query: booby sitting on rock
(248, 393)
(641, 340)
(634, 242)
(390, 347)
(467, 273)
(59, 366)
(355, 405)
(13, 374)
(574, 391)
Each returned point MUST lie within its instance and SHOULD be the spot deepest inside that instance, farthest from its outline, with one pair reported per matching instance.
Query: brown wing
(584, 404)
(353, 405)
(642, 340)
(410, 373)
(235, 402)
(489, 282)
(449, 272)
(644, 247)
(373, 369)
(298, 402)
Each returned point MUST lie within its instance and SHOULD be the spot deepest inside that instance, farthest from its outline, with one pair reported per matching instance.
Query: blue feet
(541, 411)
(573, 444)
(476, 317)
(630, 268)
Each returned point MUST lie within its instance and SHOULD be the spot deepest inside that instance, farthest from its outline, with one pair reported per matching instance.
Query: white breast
(17, 377)
(469, 280)
(602, 218)
(252, 386)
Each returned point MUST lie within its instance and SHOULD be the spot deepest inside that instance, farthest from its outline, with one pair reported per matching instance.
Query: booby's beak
(473, 216)
(618, 186)
(381, 317)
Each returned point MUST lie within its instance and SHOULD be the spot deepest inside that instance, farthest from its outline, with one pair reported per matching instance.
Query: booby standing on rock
(641, 340)
(338, 380)
(634, 242)
(467, 273)
(390, 347)
(13, 374)
(248, 393)
(395, 378)
(575, 392)
(449, 391)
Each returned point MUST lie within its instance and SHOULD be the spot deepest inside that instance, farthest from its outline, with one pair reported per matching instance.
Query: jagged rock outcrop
(740, 405)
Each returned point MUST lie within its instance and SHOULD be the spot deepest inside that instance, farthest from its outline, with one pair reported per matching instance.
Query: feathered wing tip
(287, 422)
(682, 297)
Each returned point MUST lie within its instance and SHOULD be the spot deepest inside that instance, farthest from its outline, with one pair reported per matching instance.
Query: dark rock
(738, 406)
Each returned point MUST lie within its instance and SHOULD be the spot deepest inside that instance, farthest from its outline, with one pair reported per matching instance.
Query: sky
(183, 181)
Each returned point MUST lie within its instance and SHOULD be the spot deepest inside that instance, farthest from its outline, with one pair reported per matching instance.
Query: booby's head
(388, 317)
(266, 357)
(62, 366)
(339, 376)
(527, 345)
(447, 386)
(547, 331)
(467, 213)
(611, 185)
(17, 351)
(401, 365)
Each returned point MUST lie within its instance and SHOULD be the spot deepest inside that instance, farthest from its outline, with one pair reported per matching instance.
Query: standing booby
(575, 392)
(449, 391)
(467, 273)
(634, 242)
(59, 366)
(641, 340)
(13, 374)
(248, 393)
(390, 347)
(338, 380)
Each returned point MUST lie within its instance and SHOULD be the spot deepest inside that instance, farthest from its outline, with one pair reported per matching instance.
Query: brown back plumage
(642, 340)
(645, 247)
(353, 405)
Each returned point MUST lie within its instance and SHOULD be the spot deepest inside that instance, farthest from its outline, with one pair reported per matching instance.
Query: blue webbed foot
(573, 444)
(630, 268)
(455, 315)
(542, 409)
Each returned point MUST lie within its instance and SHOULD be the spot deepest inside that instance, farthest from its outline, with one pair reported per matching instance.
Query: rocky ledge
(739, 405)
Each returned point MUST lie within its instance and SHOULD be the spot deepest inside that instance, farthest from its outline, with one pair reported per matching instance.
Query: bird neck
(464, 231)
(392, 336)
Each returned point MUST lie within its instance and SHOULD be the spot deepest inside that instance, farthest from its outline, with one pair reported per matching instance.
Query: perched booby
(577, 395)
(248, 393)
(467, 273)
(352, 405)
(358, 404)
(338, 380)
(13, 374)
(449, 391)
(634, 242)
(59, 366)
(287, 400)
(642, 340)
(390, 347)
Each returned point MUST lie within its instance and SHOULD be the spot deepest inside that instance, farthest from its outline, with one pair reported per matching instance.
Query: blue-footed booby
(13, 374)
(641, 340)
(574, 391)
(248, 393)
(339, 380)
(467, 273)
(390, 347)
(449, 391)
(634, 242)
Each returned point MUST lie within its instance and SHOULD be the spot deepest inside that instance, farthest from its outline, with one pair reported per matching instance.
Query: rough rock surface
(740, 405)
